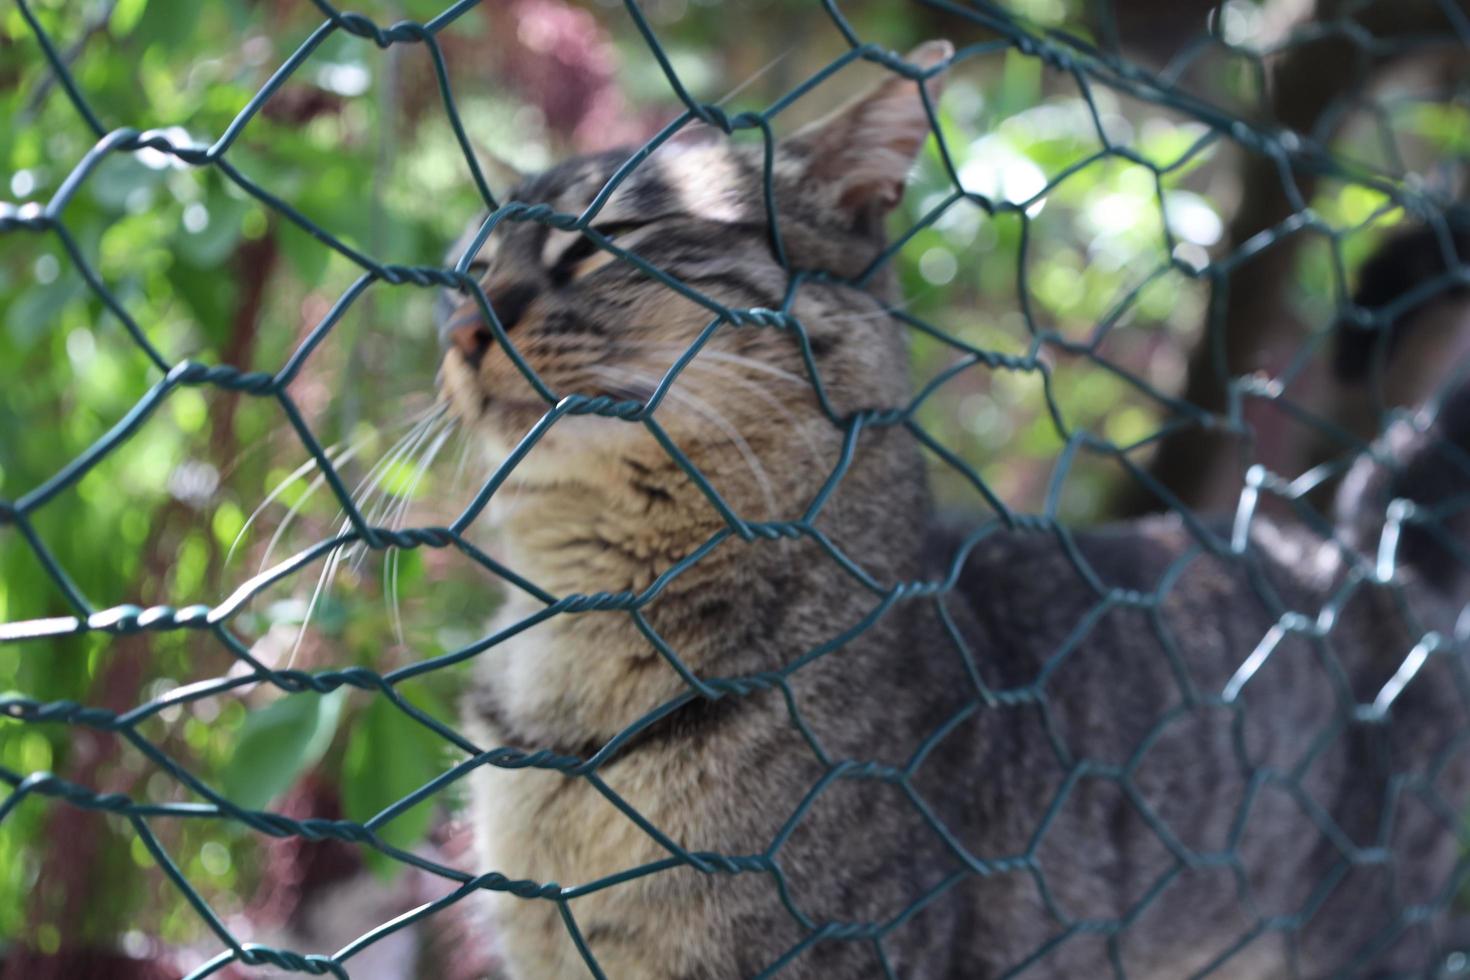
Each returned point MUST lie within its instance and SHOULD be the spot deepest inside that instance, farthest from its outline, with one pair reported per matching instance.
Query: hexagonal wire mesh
(1295, 157)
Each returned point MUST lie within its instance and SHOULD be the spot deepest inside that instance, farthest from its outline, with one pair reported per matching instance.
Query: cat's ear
(866, 148)
(502, 173)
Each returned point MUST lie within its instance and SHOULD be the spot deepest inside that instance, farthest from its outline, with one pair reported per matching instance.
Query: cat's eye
(565, 268)
(475, 270)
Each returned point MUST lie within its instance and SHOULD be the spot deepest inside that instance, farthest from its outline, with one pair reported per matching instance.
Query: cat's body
(1062, 760)
(727, 779)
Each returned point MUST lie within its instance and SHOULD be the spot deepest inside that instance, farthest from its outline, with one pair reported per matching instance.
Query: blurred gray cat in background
(1133, 751)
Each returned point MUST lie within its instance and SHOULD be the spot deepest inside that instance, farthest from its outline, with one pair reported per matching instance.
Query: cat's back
(1158, 599)
(1172, 760)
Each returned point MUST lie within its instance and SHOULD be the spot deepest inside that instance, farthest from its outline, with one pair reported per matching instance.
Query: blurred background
(1100, 275)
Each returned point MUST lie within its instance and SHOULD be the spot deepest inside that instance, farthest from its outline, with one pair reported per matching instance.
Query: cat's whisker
(365, 488)
(390, 565)
(377, 489)
(731, 377)
(717, 371)
(393, 500)
(713, 416)
(280, 488)
(254, 447)
(390, 589)
(359, 498)
(379, 495)
(294, 511)
(728, 357)
(755, 76)
(373, 486)
(316, 484)
(323, 582)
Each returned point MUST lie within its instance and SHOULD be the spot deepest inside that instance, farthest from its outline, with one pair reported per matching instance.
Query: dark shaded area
(1202, 466)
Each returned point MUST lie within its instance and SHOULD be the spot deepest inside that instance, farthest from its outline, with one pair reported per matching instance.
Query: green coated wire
(1090, 66)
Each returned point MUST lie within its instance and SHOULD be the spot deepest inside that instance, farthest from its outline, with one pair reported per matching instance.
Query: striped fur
(599, 506)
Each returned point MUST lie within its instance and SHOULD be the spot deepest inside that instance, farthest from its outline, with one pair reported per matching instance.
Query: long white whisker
(319, 481)
(390, 498)
(710, 414)
(760, 392)
(724, 356)
(334, 560)
(390, 567)
(323, 581)
(377, 490)
(316, 485)
(366, 493)
(699, 365)
(280, 488)
(757, 76)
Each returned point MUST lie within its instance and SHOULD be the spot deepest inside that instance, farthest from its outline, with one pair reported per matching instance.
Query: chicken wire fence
(1295, 156)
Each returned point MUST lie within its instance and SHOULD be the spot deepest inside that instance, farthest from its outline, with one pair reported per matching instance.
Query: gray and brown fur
(1164, 856)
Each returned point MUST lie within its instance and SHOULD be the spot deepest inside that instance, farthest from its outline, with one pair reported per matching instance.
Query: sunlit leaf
(389, 756)
(279, 743)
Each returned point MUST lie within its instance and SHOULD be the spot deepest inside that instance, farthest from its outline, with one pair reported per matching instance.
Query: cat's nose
(470, 335)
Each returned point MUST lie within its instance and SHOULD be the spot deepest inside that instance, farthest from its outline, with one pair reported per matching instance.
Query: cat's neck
(710, 603)
(577, 679)
(580, 539)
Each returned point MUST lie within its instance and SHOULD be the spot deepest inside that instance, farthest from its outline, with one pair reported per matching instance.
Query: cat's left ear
(866, 148)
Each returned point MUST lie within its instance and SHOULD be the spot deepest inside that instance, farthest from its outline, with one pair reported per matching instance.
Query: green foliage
(277, 744)
(203, 497)
(388, 757)
(169, 241)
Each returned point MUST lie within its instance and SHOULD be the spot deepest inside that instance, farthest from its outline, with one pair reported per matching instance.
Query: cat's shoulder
(1127, 555)
(1039, 575)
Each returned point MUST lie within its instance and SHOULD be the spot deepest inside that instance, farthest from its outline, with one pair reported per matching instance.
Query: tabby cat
(1259, 775)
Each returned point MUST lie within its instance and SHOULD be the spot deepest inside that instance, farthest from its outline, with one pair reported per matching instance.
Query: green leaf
(277, 744)
(388, 757)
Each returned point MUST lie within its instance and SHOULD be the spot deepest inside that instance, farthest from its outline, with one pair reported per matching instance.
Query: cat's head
(587, 322)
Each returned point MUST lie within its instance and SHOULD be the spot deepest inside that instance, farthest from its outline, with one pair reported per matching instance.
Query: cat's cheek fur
(458, 385)
(575, 450)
